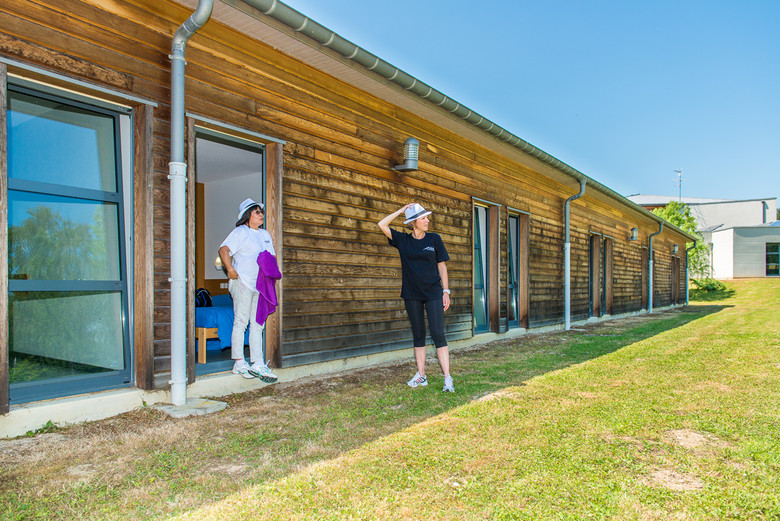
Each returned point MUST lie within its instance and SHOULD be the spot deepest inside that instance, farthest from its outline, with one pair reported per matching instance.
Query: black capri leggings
(435, 310)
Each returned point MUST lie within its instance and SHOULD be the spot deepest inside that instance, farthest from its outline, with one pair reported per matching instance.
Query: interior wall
(221, 200)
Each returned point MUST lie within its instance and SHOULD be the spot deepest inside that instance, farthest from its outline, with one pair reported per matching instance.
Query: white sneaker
(263, 372)
(448, 387)
(417, 381)
(242, 367)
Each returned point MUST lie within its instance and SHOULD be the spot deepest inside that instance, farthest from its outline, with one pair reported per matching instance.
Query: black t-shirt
(420, 278)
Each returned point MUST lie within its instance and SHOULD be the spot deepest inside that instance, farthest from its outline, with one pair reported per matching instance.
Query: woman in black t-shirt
(424, 286)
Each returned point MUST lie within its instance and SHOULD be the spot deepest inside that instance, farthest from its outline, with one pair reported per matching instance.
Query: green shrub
(49, 427)
(708, 284)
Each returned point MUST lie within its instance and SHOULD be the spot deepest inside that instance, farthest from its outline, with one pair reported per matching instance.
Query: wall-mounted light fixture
(218, 263)
(674, 249)
(634, 236)
(411, 149)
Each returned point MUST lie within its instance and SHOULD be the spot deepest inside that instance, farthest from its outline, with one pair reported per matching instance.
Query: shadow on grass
(700, 295)
(355, 408)
(273, 432)
(363, 406)
(510, 362)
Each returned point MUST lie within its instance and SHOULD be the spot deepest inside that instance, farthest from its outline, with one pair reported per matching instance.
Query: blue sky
(626, 92)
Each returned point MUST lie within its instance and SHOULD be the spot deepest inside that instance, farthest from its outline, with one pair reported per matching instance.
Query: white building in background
(743, 235)
(746, 251)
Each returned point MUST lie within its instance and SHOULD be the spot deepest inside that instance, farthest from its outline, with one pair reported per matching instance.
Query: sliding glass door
(67, 255)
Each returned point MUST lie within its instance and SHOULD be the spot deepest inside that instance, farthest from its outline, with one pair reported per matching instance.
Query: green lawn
(670, 416)
(682, 424)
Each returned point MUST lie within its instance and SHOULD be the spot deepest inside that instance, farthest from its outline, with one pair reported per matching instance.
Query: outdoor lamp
(634, 235)
(674, 249)
(411, 147)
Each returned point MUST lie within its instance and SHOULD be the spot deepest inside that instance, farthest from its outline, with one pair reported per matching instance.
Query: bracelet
(447, 291)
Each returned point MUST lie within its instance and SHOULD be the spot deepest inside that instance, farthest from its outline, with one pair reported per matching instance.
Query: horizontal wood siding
(341, 278)
(662, 283)
(627, 273)
(546, 271)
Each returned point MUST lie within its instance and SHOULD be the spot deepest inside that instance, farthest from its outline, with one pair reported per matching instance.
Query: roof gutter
(325, 37)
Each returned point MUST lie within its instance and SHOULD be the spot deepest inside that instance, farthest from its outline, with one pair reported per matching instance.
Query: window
(68, 296)
(481, 269)
(772, 258)
(517, 285)
(513, 283)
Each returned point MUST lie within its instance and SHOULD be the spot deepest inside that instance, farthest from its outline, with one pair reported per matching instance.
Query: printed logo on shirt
(429, 248)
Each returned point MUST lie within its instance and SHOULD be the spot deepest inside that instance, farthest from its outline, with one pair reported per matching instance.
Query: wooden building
(281, 109)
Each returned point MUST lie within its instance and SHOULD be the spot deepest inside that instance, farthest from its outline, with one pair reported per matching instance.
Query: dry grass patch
(672, 480)
(690, 439)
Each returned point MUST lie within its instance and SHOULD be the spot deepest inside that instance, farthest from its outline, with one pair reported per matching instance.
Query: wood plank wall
(144, 244)
(341, 278)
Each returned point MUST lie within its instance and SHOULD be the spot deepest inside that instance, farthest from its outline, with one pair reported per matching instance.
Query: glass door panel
(64, 333)
(481, 242)
(62, 238)
(513, 245)
(773, 258)
(67, 282)
(52, 141)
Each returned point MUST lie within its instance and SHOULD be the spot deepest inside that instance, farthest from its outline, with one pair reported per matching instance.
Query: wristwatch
(447, 291)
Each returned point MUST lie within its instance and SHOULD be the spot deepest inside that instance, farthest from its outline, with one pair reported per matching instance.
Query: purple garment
(266, 284)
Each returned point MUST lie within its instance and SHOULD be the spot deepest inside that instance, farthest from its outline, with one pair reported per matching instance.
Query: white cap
(414, 212)
(245, 205)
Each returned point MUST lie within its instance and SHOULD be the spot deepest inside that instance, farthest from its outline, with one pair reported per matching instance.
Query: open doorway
(227, 171)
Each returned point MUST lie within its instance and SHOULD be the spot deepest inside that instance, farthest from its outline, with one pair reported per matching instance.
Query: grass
(668, 416)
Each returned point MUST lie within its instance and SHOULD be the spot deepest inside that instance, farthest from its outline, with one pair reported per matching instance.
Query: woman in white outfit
(239, 253)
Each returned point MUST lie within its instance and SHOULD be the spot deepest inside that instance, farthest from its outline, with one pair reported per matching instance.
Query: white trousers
(245, 312)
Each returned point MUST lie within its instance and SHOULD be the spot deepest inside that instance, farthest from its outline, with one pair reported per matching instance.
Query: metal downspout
(650, 267)
(567, 257)
(687, 282)
(177, 169)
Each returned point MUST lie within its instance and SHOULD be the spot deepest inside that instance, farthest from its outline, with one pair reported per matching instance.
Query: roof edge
(320, 35)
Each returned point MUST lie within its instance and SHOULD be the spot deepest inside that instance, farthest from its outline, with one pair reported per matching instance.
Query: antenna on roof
(679, 183)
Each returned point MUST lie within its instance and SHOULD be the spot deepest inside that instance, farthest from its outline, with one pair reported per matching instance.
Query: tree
(679, 214)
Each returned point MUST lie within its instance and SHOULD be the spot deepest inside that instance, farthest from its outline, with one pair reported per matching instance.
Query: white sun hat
(245, 205)
(414, 212)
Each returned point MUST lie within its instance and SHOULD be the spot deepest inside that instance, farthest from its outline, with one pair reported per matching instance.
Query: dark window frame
(775, 254)
(484, 256)
(25, 392)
